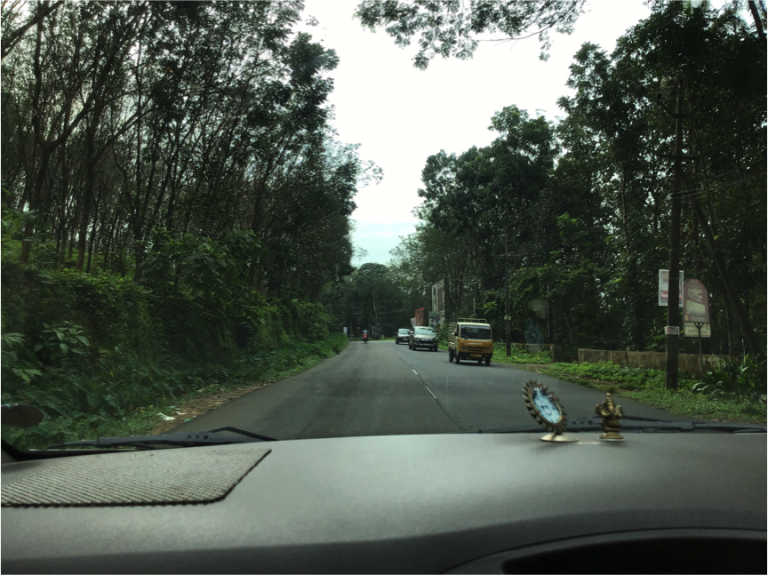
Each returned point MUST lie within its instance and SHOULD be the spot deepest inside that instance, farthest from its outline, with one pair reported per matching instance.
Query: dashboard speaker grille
(167, 476)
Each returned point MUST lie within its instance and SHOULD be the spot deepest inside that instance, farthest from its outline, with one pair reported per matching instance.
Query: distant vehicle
(365, 336)
(423, 337)
(403, 335)
(471, 339)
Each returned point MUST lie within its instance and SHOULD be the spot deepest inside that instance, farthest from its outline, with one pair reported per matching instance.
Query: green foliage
(204, 160)
(201, 267)
(371, 295)
(119, 388)
(90, 350)
(629, 378)
(694, 399)
(114, 311)
(580, 240)
(519, 355)
(697, 406)
(24, 367)
(744, 379)
(56, 341)
(451, 29)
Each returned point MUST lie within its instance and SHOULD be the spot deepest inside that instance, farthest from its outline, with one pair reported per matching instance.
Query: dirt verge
(203, 404)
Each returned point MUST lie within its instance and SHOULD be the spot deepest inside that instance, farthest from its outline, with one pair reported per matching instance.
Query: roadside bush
(518, 355)
(114, 311)
(57, 341)
(116, 387)
(92, 349)
(736, 379)
(630, 378)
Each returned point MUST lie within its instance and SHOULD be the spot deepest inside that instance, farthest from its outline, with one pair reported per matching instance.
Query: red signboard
(419, 316)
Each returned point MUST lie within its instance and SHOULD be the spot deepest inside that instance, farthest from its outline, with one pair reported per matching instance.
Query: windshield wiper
(640, 424)
(179, 438)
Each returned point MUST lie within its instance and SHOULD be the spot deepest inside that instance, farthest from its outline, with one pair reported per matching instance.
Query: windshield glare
(475, 332)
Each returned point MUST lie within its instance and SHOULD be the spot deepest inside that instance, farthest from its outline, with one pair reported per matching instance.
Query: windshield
(475, 332)
(203, 201)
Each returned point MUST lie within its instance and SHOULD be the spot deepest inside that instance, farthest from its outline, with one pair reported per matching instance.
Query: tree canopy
(454, 28)
(128, 127)
(584, 203)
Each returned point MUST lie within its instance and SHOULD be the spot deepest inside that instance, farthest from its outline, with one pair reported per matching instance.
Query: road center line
(414, 371)
(430, 391)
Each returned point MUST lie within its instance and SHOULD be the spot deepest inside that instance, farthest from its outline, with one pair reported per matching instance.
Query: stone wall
(688, 362)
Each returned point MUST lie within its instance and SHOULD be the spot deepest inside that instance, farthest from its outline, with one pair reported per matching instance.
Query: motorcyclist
(365, 336)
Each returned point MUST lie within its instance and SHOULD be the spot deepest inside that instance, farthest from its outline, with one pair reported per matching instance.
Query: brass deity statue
(611, 413)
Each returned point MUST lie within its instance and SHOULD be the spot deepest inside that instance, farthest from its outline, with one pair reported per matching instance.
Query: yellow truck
(470, 339)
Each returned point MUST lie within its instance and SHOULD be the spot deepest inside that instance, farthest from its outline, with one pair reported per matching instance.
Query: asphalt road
(381, 388)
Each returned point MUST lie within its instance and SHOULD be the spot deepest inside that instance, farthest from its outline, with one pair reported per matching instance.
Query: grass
(647, 386)
(697, 406)
(518, 357)
(629, 378)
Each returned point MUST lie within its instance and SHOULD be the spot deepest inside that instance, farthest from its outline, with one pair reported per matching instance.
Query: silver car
(423, 337)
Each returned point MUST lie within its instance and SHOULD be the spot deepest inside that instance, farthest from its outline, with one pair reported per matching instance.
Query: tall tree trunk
(758, 21)
(85, 215)
(34, 202)
(93, 235)
(624, 212)
(92, 156)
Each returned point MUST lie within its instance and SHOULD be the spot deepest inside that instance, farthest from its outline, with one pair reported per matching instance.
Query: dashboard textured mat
(145, 478)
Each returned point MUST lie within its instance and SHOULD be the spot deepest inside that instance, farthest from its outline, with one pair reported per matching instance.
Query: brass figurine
(611, 413)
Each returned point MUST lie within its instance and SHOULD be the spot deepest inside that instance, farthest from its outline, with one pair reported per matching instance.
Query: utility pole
(507, 317)
(673, 309)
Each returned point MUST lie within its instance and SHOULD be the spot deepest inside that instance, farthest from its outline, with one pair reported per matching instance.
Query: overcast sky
(401, 115)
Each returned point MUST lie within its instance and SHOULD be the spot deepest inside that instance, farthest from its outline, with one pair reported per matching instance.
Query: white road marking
(425, 385)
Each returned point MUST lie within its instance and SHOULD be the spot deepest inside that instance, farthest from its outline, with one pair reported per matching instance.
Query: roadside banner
(664, 287)
(691, 331)
(438, 296)
(696, 309)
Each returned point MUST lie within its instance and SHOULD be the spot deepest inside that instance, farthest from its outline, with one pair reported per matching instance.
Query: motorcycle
(365, 338)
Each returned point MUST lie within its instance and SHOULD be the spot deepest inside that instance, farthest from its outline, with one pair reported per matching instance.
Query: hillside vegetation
(93, 350)
(174, 199)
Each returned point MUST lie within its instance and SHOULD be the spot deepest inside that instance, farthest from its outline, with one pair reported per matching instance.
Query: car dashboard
(460, 503)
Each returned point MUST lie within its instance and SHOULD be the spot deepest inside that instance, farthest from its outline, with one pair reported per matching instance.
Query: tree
(11, 12)
(132, 129)
(452, 28)
(585, 204)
